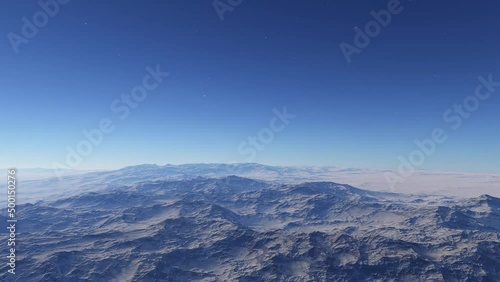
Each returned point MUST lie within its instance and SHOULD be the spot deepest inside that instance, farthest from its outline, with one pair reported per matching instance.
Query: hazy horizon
(493, 172)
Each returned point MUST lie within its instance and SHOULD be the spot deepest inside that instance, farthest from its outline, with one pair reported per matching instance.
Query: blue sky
(226, 77)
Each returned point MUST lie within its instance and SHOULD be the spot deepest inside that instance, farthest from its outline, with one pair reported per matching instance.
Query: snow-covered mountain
(239, 229)
(422, 182)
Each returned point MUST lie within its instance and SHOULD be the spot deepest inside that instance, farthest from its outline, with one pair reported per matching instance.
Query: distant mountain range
(194, 223)
(42, 183)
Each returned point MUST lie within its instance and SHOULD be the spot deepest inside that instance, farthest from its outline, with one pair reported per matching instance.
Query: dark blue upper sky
(227, 76)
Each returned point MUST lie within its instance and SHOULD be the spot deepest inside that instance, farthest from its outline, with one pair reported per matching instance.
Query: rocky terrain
(239, 229)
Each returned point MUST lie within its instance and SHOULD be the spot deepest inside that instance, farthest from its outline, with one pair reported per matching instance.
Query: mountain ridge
(239, 229)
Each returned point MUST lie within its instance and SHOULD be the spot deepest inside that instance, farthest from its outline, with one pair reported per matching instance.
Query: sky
(232, 71)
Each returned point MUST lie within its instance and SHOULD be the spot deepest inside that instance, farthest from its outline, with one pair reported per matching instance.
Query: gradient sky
(227, 76)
